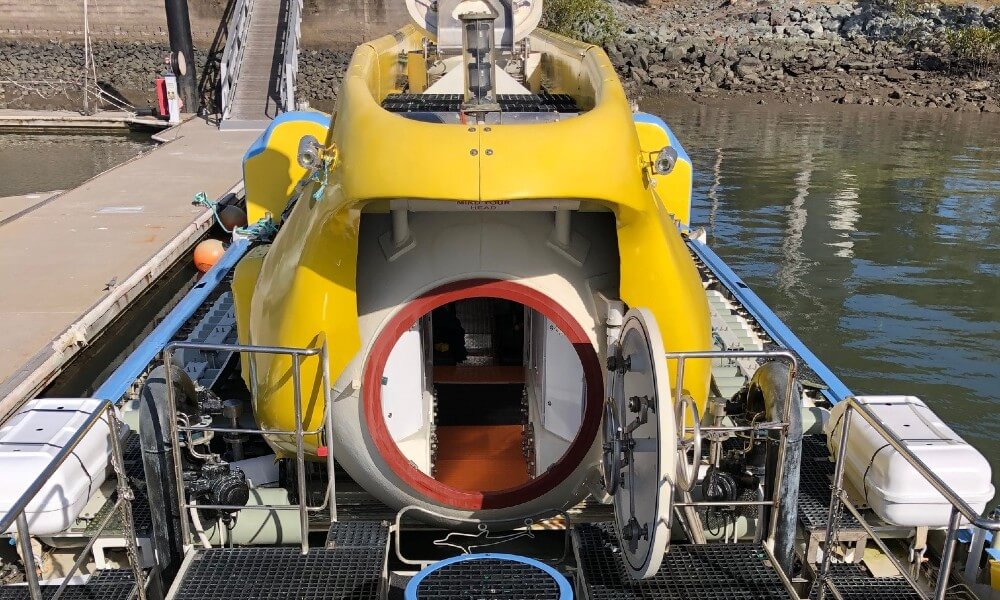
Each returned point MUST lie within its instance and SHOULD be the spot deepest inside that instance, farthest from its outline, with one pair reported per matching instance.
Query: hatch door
(640, 448)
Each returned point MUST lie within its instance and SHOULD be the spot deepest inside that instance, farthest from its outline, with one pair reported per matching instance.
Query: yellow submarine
(475, 229)
(467, 303)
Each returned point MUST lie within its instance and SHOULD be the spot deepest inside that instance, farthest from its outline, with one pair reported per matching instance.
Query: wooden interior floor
(478, 375)
(480, 457)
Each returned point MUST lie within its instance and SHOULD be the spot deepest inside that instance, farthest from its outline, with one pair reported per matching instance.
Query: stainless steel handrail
(15, 514)
(782, 427)
(297, 354)
(289, 68)
(960, 508)
(232, 55)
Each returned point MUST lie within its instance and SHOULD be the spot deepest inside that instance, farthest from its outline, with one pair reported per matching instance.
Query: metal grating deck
(814, 487)
(358, 534)
(266, 573)
(141, 515)
(112, 584)
(486, 578)
(854, 583)
(543, 102)
(702, 572)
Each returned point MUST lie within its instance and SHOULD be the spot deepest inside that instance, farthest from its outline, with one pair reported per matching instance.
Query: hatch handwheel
(688, 441)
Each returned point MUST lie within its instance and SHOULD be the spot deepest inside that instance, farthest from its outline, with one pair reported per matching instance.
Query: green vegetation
(591, 21)
(974, 49)
(904, 8)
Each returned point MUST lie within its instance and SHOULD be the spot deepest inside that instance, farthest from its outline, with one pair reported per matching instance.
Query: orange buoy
(232, 216)
(207, 253)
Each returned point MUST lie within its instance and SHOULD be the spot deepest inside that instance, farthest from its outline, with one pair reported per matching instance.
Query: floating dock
(73, 261)
(66, 121)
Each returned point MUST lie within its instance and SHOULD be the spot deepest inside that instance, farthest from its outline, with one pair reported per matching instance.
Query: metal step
(357, 534)
(689, 571)
(354, 573)
(814, 502)
(111, 584)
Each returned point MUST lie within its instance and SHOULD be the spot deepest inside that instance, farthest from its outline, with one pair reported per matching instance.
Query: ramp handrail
(289, 68)
(176, 429)
(232, 55)
(960, 508)
(15, 514)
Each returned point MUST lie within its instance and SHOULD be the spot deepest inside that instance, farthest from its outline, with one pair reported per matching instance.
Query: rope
(864, 478)
(263, 230)
(321, 180)
(202, 198)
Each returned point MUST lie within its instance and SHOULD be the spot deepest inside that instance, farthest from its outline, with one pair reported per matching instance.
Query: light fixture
(666, 160)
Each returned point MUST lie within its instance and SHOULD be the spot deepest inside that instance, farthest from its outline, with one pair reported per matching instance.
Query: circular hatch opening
(483, 394)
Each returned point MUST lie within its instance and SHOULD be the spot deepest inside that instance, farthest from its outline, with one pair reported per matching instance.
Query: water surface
(874, 234)
(39, 163)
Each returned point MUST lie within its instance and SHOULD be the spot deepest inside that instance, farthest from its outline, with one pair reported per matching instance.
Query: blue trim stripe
(674, 142)
(565, 591)
(771, 323)
(260, 143)
(115, 386)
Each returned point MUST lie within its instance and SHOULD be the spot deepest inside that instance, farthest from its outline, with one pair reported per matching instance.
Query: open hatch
(484, 394)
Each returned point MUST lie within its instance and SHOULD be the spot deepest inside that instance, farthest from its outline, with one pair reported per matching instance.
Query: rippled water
(874, 234)
(39, 163)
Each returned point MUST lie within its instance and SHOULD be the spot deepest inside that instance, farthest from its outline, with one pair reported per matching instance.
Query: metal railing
(698, 430)
(960, 508)
(289, 69)
(232, 55)
(176, 429)
(123, 507)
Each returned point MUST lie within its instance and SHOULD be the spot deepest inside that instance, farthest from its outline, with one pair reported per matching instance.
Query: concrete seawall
(326, 23)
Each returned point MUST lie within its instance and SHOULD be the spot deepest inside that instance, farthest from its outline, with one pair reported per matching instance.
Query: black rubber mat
(112, 584)
(814, 486)
(854, 583)
(485, 578)
(266, 573)
(358, 534)
(699, 572)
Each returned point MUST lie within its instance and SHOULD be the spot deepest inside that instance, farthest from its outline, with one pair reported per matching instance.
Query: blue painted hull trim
(115, 386)
(771, 323)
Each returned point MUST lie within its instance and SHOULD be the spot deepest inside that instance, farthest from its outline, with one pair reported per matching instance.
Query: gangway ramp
(259, 63)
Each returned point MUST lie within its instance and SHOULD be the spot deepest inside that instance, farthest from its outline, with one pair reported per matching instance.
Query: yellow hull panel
(304, 290)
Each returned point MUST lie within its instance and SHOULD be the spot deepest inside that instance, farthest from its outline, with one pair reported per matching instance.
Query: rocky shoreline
(846, 52)
(47, 75)
(867, 52)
